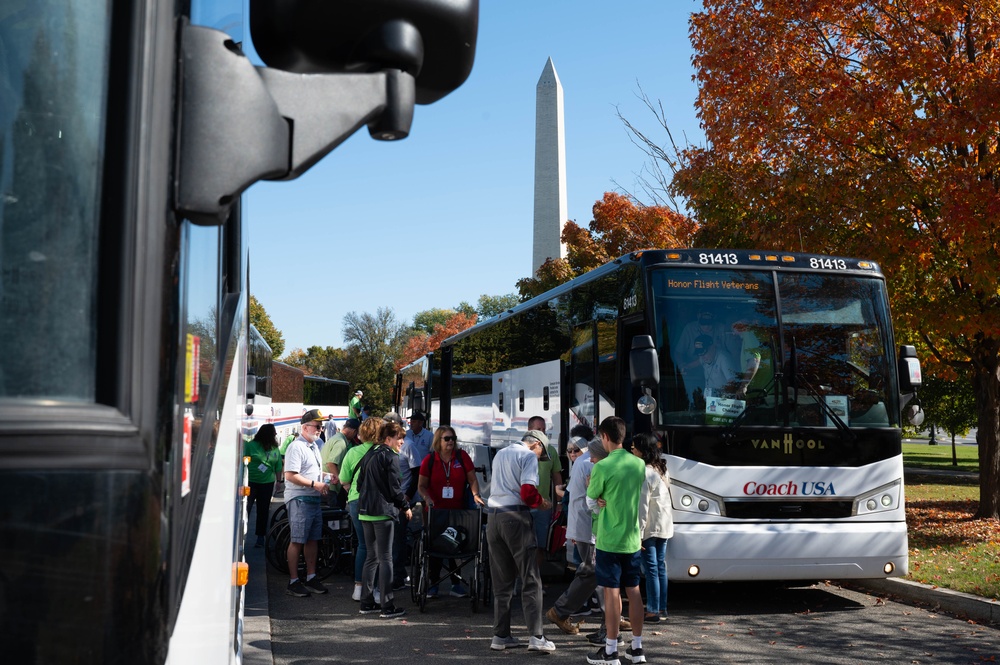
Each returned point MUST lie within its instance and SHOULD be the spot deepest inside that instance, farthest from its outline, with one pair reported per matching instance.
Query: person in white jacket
(656, 523)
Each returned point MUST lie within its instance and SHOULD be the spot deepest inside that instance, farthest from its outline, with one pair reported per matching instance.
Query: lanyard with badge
(265, 465)
(447, 492)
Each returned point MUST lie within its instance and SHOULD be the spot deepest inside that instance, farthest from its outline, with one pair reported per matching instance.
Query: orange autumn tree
(866, 128)
(620, 226)
(423, 343)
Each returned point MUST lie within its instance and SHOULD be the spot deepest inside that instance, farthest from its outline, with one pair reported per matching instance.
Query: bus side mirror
(643, 363)
(251, 386)
(644, 370)
(909, 369)
(432, 40)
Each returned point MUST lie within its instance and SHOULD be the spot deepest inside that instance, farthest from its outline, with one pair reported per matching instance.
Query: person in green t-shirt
(264, 468)
(615, 488)
(354, 406)
(368, 432)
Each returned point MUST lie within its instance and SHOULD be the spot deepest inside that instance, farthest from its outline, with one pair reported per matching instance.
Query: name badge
(262, 467)
(447, 492)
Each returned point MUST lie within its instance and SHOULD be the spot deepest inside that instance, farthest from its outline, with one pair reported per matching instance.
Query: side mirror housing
(432, 40)
(643, 362)
(909, 369)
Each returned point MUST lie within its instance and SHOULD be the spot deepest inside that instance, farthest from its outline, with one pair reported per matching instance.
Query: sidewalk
(256, 614)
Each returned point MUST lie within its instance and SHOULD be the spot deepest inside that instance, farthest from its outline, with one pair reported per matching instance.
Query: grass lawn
(923, 456)
(947, 547)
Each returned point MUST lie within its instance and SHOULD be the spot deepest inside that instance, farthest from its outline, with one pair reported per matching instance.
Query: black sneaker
(369, 608)
(314, 586)
(602, 657)
(635, 655)
(298, 589)
(600, 637)
(391, 612)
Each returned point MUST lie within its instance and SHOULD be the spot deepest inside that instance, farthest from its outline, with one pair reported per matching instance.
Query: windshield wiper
(845, 431)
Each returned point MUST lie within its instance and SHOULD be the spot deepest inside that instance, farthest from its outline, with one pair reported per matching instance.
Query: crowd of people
(616, 505)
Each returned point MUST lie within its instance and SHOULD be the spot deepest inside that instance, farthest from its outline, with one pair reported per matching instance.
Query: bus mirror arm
(241, 124)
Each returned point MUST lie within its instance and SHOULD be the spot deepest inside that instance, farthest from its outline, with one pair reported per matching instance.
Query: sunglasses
(572, 450)
(449, 438)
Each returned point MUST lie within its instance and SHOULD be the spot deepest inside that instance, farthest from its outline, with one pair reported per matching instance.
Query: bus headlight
(689, 499)
(880, 499)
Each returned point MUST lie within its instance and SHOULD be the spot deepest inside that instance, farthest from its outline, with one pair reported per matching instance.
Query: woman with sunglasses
(446, 474)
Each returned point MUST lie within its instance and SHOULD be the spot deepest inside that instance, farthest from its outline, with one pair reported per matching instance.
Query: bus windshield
(752, 347)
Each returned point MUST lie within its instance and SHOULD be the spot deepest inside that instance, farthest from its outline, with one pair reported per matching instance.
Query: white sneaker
(356, 596)
(501, 643)
(540, 644)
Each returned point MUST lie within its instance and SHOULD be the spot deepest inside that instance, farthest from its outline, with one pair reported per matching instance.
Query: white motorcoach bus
(771, 379)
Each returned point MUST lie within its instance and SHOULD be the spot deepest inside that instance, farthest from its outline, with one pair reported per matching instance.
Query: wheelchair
(458, 536)
(336, 551)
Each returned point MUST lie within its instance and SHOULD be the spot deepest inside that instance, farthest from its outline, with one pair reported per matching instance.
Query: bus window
(54, 86)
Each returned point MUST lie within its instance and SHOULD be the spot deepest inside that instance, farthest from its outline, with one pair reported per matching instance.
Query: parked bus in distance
(130, 131)
(288, 393)
(771, 379)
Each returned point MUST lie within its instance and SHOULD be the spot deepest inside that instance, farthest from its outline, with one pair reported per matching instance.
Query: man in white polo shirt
(511, 538)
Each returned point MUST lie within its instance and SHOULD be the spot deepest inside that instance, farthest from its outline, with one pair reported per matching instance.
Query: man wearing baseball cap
(511, 538)
(354, 406)
(304, 489)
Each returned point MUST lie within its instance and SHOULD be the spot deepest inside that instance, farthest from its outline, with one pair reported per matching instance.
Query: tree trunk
(986, 384)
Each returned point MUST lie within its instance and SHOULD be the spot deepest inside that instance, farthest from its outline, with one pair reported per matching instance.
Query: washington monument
(550, 169)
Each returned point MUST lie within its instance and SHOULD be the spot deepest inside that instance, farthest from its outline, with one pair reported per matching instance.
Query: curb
(965, 605)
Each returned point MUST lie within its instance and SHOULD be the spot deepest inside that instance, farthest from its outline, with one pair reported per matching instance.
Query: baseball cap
(393, 417)
(359, 393)
(702, 344)
(353, 423)
(539, 436)
(418, 415)
(312, 415)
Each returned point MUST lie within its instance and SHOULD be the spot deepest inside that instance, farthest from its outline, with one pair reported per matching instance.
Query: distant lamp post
(933, 441)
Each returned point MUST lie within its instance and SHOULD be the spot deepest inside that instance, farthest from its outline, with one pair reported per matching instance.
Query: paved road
(712, 623)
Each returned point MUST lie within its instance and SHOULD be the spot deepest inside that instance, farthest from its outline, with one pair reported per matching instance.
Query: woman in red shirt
(444, 475)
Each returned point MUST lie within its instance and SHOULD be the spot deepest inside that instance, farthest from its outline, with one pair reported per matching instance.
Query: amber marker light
(241, 573)
(244, 490)
(788, 259)
(673, 256)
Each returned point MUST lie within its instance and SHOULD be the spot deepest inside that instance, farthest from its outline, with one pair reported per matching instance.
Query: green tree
(489, 306)
(427, 320)
(949, 405)
(262, 322)
(375, 345)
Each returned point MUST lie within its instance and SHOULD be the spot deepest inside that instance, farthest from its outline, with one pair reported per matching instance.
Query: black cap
(312, 415)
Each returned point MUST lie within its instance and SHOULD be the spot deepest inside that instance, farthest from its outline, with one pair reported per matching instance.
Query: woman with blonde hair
(369, 434)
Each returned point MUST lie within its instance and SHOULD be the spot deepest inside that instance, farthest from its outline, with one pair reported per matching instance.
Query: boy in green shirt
(615, 487)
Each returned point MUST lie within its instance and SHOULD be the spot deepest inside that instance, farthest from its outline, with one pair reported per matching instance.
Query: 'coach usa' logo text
(790, 488)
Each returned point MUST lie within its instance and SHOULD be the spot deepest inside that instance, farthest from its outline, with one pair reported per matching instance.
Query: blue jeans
(654, 567)
(362, 553)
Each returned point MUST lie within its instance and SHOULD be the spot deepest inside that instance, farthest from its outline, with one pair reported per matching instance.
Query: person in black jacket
(380, 501)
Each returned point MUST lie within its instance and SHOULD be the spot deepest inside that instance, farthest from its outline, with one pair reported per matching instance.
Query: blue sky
(445, 215)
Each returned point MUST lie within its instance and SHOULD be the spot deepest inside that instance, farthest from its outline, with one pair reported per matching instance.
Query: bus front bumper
(787, 551)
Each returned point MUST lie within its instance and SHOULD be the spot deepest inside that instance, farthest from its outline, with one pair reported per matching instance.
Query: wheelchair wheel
(484, 584)
(276, 546)
(425, 578)
(415, 579)
(280, 514)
